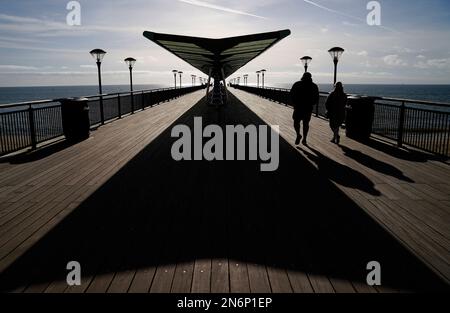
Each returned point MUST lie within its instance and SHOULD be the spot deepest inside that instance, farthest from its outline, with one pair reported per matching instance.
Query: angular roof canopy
(212, 55)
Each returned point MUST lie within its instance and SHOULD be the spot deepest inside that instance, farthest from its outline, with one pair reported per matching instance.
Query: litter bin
(360, 116)
(75, 119)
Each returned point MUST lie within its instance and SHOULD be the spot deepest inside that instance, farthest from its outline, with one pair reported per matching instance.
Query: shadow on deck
(156, 211)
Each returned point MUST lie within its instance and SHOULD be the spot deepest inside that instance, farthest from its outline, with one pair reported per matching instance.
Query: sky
(39, 48)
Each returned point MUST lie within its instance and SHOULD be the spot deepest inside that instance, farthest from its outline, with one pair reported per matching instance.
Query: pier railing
(423, 125)
(27, 124)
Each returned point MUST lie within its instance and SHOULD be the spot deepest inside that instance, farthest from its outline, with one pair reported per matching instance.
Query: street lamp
(257, 74)
(336, 54)
(130, 62)
(306, 60)
(175, 72)
(263, 74)
(181, 73)
(98, 55)
(193, 80)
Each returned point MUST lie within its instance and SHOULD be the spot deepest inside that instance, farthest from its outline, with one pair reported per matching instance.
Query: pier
(138, 221)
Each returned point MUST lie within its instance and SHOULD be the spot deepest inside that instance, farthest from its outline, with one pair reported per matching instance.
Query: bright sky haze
(39, 48)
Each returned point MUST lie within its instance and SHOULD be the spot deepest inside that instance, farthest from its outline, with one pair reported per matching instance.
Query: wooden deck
(138, 221)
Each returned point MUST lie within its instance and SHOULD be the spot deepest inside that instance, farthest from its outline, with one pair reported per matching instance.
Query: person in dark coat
(304, 96)
(335, 105)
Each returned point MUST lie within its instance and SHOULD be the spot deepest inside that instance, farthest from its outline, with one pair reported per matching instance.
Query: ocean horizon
(435, 93)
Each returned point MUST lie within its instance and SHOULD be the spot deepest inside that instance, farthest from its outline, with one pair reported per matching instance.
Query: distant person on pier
(335, 105)
(304, 96)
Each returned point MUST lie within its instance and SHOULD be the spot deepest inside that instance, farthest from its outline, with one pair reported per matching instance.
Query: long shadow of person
(340, 173)
(375, 164)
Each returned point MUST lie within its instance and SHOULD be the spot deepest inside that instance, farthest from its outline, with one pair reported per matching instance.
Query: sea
(23, 94)
(435, 93)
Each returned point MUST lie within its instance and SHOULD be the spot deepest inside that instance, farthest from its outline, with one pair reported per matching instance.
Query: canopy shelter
(217, 58)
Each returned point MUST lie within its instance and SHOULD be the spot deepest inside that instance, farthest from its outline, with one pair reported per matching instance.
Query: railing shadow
(403, 153)
(375, 164)
(156, 211)
(41, 153)
(340, 173)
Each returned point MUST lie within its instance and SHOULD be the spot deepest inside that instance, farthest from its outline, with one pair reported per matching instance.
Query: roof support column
(209, 84)
(224, 85)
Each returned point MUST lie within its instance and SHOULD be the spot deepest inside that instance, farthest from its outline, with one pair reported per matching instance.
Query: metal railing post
(32, 128)
(132, 103)
(401, 125)
(102, 112)
(119, 106)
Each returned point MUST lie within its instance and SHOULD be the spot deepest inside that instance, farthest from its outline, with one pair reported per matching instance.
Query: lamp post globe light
(306, 60)
(175, 72)
(130, 63)
(98, 55)
(263, 77)
(180, 73)
(336, 54)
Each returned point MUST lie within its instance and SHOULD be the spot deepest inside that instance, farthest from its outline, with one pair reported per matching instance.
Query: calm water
(439, 93)
(22, 94)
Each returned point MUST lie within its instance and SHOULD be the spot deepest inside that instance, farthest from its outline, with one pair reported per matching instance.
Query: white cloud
(363, 53)
(434, 63)
(17, 67)
(218, 8)
(394, 60)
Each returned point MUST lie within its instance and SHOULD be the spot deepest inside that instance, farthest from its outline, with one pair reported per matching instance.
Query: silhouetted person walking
(304, 96)
(335, 105)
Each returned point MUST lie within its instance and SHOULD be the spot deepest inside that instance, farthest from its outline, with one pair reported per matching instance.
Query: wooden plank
(258, 278)
(220, 282)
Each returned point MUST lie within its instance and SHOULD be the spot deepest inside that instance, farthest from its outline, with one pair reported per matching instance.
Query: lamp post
(246, 79)
(263, 79)
(175, 72)
(130, 62)
(257, 81)
(180, 73)
(306, 60)
(98, 55)
(193, 80)
(336, 54)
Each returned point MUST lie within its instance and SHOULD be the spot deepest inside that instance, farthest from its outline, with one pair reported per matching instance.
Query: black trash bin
(360, 116)
(75, 119)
